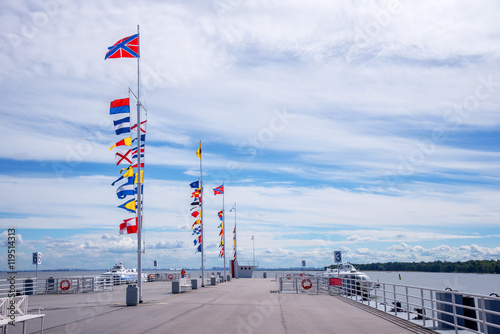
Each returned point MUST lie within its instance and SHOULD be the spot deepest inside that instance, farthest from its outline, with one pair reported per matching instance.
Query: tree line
(472, 266)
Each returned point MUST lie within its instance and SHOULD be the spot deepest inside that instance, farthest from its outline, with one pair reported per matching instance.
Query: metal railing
(304, 283)
(437, 309)
(432, 308)
(59, 285)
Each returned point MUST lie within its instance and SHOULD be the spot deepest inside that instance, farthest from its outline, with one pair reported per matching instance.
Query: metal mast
(139, 182)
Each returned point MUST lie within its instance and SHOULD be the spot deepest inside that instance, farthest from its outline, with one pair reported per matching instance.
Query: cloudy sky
(370, 127)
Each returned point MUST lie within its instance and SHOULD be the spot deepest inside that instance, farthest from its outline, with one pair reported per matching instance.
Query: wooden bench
(15, 310)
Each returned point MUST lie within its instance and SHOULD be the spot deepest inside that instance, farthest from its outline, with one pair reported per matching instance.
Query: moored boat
(120, 275)
(353, 278)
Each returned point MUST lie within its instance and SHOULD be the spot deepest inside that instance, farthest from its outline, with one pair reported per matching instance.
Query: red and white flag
(129, 226)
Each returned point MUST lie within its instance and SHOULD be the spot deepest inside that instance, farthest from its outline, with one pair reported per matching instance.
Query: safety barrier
(436, 309)
(52, 285)
(306, 284)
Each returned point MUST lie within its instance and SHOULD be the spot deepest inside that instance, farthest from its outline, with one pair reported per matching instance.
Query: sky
(366, 127)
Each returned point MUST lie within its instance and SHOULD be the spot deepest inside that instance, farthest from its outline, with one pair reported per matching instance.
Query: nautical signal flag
(195, 214)
(126, 189)
(122, 125)
(197, 222)
(221, 215)
(196, 230)
(124, 142)
(129, 172)
(197, 240)
(127, 47)
(129, 226)
(219, 190)
(120, 106)
(135, 164)
(198, 152)
(195, 184)
(123, 157)
(143, 127)
(142, 177)
(196, 193)
(143, 137)
(198, 250)
(129, 205)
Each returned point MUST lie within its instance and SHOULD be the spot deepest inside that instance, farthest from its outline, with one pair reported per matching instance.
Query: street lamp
(253, 241)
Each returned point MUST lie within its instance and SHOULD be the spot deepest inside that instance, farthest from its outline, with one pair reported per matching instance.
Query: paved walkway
(242, 306)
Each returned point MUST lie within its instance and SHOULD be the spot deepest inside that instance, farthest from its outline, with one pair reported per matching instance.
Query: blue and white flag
(126, 188)
(195, 184)
(196, 230)
(122, 125)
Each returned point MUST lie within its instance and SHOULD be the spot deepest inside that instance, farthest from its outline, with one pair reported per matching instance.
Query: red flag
(127, 47)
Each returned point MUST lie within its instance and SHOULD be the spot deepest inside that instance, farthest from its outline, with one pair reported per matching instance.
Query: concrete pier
(240, 306)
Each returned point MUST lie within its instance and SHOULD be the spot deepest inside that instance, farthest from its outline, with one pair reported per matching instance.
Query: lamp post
(253, 241)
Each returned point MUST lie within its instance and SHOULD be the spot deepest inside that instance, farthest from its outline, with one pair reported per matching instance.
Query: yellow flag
(198, 152)
(142, 177)
(129, 172)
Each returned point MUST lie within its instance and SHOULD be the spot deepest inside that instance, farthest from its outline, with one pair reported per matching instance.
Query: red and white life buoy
(289, 276)
(170, 276)
(307, 284)
(65, 285)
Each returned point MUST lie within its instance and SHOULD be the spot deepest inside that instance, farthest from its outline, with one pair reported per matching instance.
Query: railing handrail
(427, 303)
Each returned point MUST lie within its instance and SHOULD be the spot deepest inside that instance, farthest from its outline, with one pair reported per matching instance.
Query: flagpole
(224, 231)
(235, 247)
(201, 221)
(139, 188)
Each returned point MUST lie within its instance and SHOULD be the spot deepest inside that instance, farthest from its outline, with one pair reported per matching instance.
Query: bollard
(194, 284)
(51, 285)
(132, 295)
(264, 275)
(228, 278)
(213, 280)
(176, 287)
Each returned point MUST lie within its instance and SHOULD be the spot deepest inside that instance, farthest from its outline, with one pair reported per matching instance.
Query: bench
(15, 310)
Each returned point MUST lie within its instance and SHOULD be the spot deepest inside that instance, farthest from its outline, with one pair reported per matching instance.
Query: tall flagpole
(201, 220)
(224, 231)
(139, 188)
(235, 231)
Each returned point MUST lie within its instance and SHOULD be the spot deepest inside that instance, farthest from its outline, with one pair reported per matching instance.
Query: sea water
(483, 284)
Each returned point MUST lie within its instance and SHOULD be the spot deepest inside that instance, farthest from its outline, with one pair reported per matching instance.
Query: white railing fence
(54, 285)
(432, 308)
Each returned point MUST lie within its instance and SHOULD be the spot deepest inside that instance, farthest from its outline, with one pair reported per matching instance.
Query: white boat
(352, 278)
(120, 275)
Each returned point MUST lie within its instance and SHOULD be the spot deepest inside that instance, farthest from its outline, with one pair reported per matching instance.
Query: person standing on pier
(182, 272)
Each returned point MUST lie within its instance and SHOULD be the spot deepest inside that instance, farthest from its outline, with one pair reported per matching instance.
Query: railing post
(407, 304)
(422, 305)
(483, 311)
(395, 302)
(453, 299)
(385, 300)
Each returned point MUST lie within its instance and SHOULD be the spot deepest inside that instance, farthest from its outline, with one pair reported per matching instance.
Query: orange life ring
(289, 276)
(170, 276)
(65, 285)
(307, 284)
